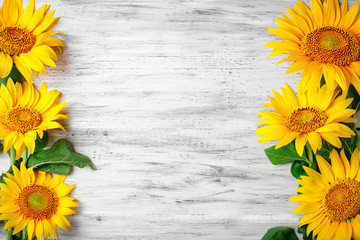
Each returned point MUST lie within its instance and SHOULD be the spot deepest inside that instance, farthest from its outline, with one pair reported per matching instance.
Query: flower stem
(357, 137)
(12, 161)
(25, 158)
(310, 156)
(9, 233)
(12, 155)
(25, 235)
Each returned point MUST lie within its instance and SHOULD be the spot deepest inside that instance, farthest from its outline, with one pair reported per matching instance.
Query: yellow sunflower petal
(32, 46)
(63, 190)
(300, 142)
(23, 101)
(25, 20)
(58, 221)
(314, 224)
(6, 64)
(356, 228)
(325, 168)
(39, 229)
(316, 175)
(345, 162)
(286, 139)
(337, 165)
(13, 222)
(316, 35)
(301, 199)
(20, 226)
(19, 210)
(331, 138)
(354, 163)
(327, 230)
(23, 68)
(348, 19)
(314, 141)
(310, 217)
(344, 231)
(37, 17)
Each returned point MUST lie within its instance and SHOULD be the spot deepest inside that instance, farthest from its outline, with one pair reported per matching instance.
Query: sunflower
(25, 38)
(36, 200)
(26, 112)
(309, 117)
(321, 40)
(330, 199)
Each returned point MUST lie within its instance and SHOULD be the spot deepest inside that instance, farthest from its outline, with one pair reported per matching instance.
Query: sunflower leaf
(322, 81)
(61, 152)
(41, 143)
(325, 150)
(302, 230)
(297, 169)
(280, 233)
(15, 237)
(283, 155)
(352, 93)
(16, 164)
(62, 169)
(349, 144)
(14, 74)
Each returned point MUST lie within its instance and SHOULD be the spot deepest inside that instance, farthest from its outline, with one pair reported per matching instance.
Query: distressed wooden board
(163, 97)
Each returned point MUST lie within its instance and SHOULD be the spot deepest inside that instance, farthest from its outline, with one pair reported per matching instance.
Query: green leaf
(62, 169)
(41, 143)
(15, 237)
(284, 154)
(280, 233)
(357, 139)
(352, 93)
(2, 178)
(297, 169)
(349, 144)
(14, 74)
(322, 81)
(302, 230)
(61, 152)
(17, 164)
(325, 150)
(25, 234)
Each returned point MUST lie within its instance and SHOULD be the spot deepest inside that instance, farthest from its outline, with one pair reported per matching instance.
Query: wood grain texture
(163, 97)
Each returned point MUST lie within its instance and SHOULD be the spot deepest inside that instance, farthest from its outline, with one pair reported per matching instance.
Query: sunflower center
(342, 200)
(22, 119)
(14, 40)
(37, 202)
(331, 45)
(306, 120)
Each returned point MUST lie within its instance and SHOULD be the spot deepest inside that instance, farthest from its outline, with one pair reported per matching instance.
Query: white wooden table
(163, 97)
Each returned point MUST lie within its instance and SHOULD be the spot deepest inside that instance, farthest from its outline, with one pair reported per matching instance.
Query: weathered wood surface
(163, 97)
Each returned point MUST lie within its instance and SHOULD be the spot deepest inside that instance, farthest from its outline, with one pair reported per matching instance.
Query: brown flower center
(22, 119)
(37, 202)
(331, 45)
(306, 120)
(341, 201)
(14, 40)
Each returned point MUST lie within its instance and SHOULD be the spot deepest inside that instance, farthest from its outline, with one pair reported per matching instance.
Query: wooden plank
(163, 97)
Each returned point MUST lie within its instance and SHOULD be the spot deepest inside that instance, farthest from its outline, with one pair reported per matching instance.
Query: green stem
(12, 155)
(357, 139)
(12, 161)
(25, 156)
(310, 156)
(25, 235)
(9, 233)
